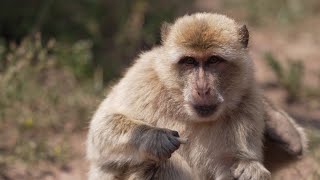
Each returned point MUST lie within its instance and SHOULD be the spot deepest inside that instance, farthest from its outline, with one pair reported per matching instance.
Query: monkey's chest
(208, 151)
(209, 147)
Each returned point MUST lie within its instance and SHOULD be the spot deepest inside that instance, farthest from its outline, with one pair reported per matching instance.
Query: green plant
(78, 57)
(290, 78)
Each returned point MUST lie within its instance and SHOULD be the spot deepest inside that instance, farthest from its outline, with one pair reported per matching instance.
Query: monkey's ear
(165, 29)
(244, 35)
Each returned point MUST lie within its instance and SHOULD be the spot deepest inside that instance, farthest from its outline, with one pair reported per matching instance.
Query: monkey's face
(202, 94)
(208, 60)
(210, 83)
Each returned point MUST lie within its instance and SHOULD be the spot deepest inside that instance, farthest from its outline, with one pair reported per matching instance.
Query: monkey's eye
(214, 60)
(189, 61)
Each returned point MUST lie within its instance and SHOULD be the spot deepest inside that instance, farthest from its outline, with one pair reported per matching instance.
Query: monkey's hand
(250, 170)
(158, 143)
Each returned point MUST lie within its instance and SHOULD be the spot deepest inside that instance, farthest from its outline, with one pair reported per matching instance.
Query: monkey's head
(205, 63)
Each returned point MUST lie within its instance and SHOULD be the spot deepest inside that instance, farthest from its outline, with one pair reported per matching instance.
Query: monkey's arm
(249, 163)
(116, 142)
(249, 132)
(282, 129)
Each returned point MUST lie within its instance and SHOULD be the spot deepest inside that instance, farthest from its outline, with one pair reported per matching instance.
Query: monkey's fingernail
(183, 140)
(175, 133)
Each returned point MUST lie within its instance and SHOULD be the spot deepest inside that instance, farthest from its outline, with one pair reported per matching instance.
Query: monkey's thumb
(183, 140)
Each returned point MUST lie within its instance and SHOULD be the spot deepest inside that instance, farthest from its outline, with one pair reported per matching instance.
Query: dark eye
(188, 61)
(214, 60)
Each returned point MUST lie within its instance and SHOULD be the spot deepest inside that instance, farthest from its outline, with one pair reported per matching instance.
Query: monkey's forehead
(204, 30)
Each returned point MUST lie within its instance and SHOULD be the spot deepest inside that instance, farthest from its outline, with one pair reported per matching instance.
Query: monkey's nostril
(208, 91)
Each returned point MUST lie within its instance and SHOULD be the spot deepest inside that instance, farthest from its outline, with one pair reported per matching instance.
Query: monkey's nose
(203, 92)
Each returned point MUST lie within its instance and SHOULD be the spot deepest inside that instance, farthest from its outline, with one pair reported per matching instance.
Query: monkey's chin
(203, 113)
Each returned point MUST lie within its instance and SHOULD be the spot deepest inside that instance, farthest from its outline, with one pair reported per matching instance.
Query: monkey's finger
(183, 140)
(173, 144)
(174, 141)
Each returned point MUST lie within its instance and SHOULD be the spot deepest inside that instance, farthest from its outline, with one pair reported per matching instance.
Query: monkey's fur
(176, 89)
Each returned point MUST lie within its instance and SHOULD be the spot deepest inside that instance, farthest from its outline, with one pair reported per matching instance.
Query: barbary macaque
(189, 108)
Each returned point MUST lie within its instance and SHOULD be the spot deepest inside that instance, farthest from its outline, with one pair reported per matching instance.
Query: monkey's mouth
(205, 110)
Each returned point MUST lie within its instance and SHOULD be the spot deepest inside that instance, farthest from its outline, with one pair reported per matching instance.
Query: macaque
(187, 109)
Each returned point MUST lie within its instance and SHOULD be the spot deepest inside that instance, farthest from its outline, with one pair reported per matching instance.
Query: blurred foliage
(40, 97)
(258, 12)
(116, 30)
(290, 78)
(78, 57)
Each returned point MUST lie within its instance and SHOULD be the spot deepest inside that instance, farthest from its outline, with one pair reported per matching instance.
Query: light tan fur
(149, 103)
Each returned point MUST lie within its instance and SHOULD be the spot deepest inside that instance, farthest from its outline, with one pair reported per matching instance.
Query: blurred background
(58, 57)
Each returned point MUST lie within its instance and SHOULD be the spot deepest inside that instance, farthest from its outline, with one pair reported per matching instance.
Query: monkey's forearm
(249, 161)
(119, 138)
(114, 135)
(283, 129)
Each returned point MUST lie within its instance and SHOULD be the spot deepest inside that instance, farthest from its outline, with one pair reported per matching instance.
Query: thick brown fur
(138, 131)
